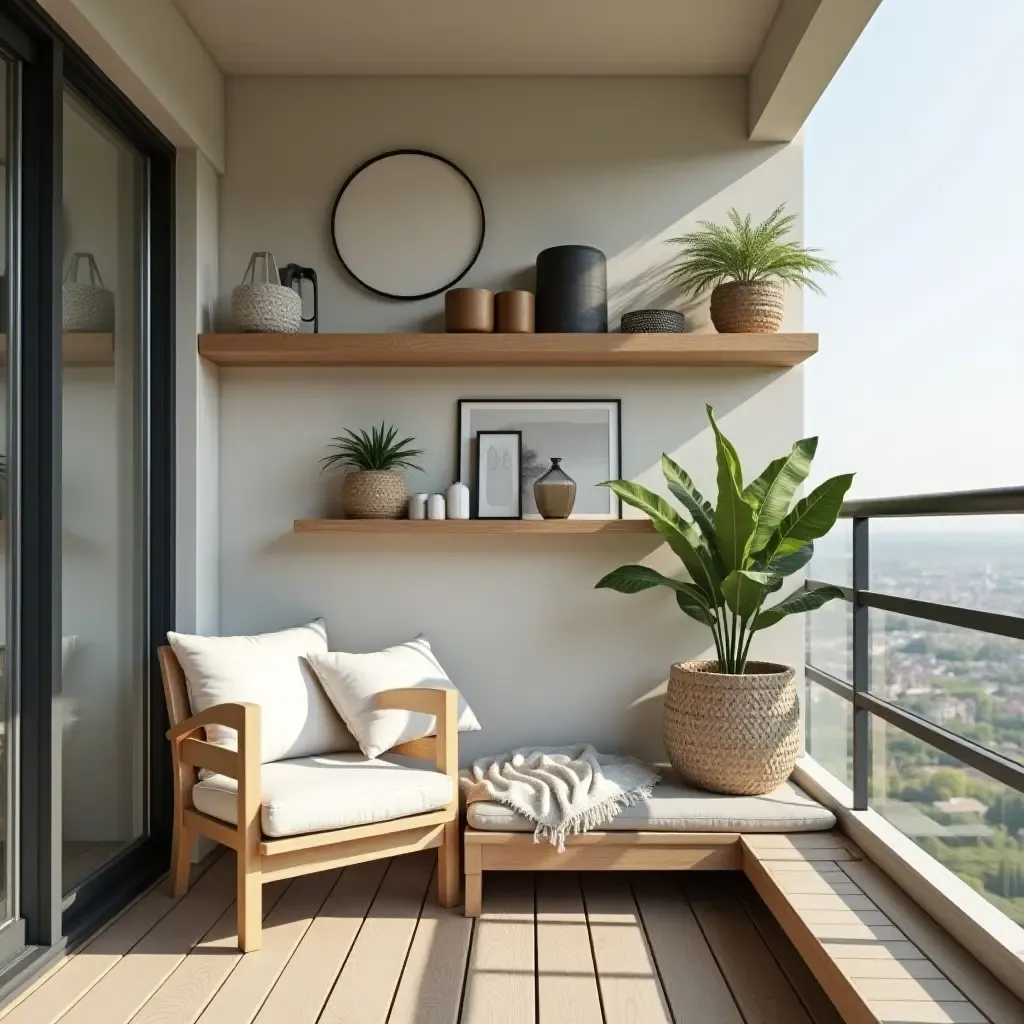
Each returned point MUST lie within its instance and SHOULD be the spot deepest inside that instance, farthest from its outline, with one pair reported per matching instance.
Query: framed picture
(499, 473)
(584, 433)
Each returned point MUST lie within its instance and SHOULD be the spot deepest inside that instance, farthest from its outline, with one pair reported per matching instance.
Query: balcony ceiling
(482, 37)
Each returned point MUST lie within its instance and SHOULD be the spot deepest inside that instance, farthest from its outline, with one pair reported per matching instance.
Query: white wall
(197, 397)
(620, 164)
(152, 55)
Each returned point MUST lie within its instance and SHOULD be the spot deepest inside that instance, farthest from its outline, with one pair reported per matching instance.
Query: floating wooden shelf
(767, 350)
(78, 349)
(476, 527)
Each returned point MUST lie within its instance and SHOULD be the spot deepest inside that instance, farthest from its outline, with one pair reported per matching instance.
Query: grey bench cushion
(676, 807)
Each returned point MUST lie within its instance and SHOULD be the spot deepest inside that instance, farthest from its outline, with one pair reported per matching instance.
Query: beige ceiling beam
(804, 47)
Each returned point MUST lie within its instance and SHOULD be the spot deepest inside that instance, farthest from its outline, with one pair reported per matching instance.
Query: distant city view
(968, 682)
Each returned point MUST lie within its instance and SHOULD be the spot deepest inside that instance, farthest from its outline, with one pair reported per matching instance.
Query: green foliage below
(744, 251)
(378, 450)
(739, 551)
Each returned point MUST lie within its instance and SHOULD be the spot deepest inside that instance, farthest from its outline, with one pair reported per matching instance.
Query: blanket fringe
(586, 820)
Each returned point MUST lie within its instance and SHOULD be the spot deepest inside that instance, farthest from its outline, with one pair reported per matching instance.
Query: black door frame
(50, 62)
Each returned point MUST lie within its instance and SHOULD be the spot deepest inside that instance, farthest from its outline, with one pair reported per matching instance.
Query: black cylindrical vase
(572, 290)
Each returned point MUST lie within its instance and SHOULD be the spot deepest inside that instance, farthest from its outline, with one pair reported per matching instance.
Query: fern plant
(744, 251)
(377, 451)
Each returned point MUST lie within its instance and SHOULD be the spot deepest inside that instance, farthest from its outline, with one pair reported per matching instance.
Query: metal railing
(1000, 501)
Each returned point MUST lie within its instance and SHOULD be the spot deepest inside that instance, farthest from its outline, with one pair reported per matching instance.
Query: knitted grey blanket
(563, 790)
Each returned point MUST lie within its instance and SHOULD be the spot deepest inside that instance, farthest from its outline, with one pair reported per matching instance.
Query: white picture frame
(585, 433)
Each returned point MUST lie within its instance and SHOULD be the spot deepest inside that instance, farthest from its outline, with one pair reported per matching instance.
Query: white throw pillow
(271, 670)
(352, 681)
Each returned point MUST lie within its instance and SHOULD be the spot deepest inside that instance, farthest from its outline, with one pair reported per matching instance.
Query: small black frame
(518, 435)
(409, 152)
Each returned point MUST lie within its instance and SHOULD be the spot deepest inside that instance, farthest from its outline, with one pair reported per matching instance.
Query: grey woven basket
(732, 733)
(265, 307)
(652, 321)
(86, 306)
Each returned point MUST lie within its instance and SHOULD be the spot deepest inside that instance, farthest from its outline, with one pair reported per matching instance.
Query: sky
(915, 186)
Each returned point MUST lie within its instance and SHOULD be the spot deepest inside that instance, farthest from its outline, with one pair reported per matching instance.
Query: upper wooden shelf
(771, 350)
(78, 349)
(476, 527)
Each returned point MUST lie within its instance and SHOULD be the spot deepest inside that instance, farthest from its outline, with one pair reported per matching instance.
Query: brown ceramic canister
(469, 311)
(514, 312)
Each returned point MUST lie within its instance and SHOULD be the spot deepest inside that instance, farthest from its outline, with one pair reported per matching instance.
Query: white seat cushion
(272, 670)
(676, 807)
(314, 794)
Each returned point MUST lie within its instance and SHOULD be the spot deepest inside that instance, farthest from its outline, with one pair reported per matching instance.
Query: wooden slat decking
(878, 955)
(369, 945)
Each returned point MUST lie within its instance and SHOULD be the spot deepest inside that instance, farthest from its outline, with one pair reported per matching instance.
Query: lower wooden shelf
(475, 527)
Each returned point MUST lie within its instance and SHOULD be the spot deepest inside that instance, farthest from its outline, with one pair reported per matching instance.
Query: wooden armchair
(264, 859)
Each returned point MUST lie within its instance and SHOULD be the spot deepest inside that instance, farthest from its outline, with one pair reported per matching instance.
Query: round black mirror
(408, 224)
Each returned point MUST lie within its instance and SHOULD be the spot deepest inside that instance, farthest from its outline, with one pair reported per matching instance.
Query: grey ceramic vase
(555, 492)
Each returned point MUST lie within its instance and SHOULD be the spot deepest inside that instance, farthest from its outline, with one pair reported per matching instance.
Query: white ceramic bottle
(417, 506)
(457, 501)
(435, 506)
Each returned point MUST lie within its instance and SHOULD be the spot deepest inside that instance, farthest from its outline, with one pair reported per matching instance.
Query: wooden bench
(878, 956)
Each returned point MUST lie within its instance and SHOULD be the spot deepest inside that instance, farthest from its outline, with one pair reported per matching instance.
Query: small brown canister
(514, 312)
(469, 311)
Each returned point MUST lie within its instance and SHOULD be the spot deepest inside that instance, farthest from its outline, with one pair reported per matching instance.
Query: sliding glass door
(8, 279)
(86, 493)
(102, 703)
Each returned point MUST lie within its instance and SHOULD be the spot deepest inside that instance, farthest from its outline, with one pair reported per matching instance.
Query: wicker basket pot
(747, 307)
(732, 733)
(373, 494)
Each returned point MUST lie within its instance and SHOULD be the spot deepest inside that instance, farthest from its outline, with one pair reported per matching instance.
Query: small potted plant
(746, 267)
(373, 489)
(733, 725)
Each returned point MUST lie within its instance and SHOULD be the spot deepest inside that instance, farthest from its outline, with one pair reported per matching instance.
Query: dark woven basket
(653, 321)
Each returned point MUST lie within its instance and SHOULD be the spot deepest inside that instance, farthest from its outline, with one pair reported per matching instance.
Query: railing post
(861, 666)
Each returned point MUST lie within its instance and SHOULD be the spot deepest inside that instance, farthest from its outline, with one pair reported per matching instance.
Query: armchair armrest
(244, 718)
(426, 700)
(444, 706)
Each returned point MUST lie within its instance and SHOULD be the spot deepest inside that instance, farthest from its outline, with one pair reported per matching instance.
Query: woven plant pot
(730, 733)
(373, 494)
(747, 307)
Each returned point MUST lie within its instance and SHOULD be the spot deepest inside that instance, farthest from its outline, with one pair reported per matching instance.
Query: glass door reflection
(102, 707)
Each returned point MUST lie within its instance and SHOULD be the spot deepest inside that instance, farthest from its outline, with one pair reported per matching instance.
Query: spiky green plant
(378, 450)
(738, 552)
(743, 251)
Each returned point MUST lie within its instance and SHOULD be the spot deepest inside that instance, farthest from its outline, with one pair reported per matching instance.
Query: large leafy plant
(738, 552)
(743, 251)
(378, 450)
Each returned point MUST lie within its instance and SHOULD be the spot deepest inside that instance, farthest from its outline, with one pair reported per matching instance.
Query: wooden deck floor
(368, 945)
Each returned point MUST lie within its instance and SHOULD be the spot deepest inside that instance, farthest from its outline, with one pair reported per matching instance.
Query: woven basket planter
(373, 494)
(747, 307)
(729, 733)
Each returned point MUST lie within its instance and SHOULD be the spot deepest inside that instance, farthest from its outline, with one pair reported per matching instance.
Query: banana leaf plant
(739, 551)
